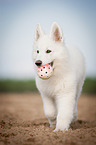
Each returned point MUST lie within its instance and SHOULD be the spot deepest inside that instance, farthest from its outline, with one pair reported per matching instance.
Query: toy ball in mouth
(45, 71)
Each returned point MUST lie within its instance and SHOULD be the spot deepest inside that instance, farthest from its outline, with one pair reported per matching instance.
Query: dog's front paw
(62, 124)
(60, 129)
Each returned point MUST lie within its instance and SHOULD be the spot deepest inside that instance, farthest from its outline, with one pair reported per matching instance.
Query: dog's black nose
(38, 62)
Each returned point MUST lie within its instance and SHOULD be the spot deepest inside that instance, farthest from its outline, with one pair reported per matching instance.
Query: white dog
(61, 89)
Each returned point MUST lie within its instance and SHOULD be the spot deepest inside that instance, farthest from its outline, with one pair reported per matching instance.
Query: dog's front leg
(50, 110)
(65, 108)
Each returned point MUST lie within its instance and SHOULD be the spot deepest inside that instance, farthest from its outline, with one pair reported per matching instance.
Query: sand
(22, 122)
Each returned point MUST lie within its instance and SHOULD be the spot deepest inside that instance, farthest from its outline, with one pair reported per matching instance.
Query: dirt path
(22, 122)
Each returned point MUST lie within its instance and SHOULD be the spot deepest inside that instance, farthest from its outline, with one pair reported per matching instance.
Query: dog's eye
(48, 51)
(37, 51)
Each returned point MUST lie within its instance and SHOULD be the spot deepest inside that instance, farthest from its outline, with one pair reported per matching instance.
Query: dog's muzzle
(38, 62)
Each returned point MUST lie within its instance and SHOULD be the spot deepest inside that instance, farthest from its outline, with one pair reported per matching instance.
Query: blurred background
(18, 19)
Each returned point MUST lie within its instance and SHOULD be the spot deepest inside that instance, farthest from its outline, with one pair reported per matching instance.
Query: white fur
(61, 91)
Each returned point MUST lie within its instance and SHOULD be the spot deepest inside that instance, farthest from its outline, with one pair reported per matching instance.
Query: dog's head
(48, 49)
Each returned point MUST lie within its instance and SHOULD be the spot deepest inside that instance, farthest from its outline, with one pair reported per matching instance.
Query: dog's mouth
(51, 63)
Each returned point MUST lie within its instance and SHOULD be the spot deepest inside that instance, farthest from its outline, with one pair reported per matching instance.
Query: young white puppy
(60, 73)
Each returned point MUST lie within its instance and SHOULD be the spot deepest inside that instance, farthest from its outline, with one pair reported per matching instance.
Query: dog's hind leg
(79, 89)
(75, 113)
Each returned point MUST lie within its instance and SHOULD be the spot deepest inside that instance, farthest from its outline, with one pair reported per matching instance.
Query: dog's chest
(49, 87)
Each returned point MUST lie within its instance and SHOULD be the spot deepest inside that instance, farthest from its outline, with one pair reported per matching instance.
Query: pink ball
(45, 71)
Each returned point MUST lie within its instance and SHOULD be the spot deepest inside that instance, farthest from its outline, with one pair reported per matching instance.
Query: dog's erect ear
(38, 32)
(56, 33)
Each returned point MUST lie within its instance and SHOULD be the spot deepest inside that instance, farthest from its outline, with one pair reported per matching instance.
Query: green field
(17, 86)
(29, 86)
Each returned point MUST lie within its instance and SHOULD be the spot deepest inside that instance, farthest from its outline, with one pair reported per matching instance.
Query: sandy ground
(22, 122)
